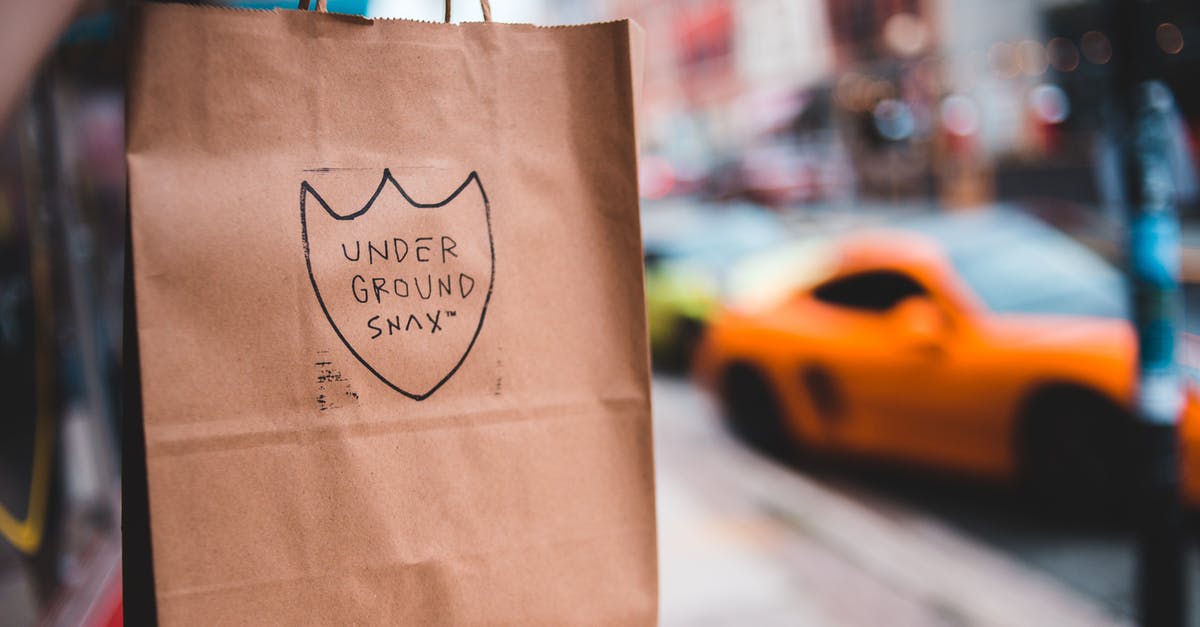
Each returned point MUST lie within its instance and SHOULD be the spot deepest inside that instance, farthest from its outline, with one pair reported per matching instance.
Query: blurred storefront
(962, 101)
(62, 184)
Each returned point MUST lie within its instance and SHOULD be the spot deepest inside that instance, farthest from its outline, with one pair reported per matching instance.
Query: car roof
(982, 230)
(946, 236)
(887, 247)
(1011, 262)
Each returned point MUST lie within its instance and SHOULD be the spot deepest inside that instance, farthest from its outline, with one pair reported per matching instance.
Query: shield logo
(404, 284)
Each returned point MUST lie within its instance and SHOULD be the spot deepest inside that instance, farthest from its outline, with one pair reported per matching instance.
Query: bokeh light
(1031, 56)
(960, 115)
(1049, 103)
(1003, 59)
(894, 119)
(1062, 54)
(1168, 37)
(906, 34)
(1096, 47)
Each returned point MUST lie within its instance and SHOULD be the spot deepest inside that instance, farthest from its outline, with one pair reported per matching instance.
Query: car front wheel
(753, 411)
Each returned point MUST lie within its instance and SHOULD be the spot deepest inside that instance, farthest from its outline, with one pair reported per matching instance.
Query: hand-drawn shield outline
(307, 190)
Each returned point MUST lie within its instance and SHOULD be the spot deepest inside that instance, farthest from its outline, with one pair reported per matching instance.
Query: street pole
(1144, 110)
(1154, 265)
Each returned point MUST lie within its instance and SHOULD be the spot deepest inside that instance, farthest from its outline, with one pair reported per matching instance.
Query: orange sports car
(983, 343)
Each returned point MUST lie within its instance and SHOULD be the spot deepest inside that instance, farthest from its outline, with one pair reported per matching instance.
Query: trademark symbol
(450, 314)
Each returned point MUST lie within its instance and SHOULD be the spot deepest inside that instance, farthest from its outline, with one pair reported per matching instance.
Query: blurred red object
(656, 177)
(111, 613)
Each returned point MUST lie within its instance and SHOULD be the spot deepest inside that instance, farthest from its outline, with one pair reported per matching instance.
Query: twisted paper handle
(484, 5)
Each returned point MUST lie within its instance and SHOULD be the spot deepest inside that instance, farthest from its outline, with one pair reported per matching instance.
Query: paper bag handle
(484, 5)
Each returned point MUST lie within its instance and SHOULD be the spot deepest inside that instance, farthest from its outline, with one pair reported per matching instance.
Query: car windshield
(1015, 264)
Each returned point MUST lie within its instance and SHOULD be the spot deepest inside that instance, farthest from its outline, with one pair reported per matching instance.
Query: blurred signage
(705, 33)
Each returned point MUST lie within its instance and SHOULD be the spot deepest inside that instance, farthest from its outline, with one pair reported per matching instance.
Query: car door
(888, 384)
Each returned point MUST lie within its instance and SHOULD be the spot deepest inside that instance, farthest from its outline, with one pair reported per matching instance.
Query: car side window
(874, 291)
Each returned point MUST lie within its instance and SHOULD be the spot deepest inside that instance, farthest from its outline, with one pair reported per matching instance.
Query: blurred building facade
(962, 100)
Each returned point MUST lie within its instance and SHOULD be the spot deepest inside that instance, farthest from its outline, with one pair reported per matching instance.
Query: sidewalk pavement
(746, 541)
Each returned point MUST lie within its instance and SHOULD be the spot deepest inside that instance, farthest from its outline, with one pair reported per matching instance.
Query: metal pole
(1154, 265)
(1143, 114)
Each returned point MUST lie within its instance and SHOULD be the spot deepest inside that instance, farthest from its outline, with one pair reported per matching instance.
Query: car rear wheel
(753, 411)
(688, 332)
(1073, 450)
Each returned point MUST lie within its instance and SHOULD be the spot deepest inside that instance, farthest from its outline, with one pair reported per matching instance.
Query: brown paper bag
(389, 316)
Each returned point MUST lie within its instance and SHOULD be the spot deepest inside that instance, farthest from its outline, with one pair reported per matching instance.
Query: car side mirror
(919, 322)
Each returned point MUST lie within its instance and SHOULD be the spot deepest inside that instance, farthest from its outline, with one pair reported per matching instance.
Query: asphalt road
(746, 538)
